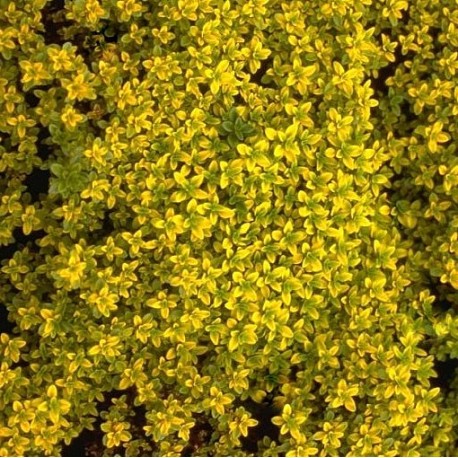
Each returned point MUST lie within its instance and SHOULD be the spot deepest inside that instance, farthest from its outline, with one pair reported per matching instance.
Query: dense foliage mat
(228, 227)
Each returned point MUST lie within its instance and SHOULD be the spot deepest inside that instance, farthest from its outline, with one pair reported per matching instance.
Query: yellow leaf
(233, 343)
(442, 137)
(263, 161)
(408, 221)
(199, 194)
(243, 149)
(198, 233)
(336, 402)
(389, 391)
(95, 350)
(258, 396)
(308, 71)
(222, 66)
(5, 432)
(432, 145)
(350, 404)
(271, 134)
(214, 337)
(54, 416)
(214, 87)
(291, 131)
(279, 151)
(27, 227)
(124, 384)
(286, 332)
(43, 407)
(454, 279)
(52, 391)
(226, 213)
(64, 406)
(338, 68)
(224, 181)
(46, 313)
(179, 178)
(286, 297)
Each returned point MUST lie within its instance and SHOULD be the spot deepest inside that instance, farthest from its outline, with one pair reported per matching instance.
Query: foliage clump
(250, 220)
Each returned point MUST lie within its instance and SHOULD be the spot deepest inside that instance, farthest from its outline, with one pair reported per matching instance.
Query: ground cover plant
(228, 227)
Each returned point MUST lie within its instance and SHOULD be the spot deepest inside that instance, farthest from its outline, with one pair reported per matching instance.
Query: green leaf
(57, 169)
(227, 126)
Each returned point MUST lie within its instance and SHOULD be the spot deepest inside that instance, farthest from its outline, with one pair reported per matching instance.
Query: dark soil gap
(263, 413)
(6, 326)
(257, 77)
(446, 371)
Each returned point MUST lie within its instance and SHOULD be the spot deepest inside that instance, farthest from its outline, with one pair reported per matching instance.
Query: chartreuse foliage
(248, 200)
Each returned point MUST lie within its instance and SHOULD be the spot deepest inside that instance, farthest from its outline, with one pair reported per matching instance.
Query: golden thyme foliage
(248, 200)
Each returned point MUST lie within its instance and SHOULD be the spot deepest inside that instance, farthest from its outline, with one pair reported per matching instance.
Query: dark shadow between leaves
(6, 326)
(261, 78)
(446, 373)
(199, 435)
(263, 413)
(90, 443)
(37, 184)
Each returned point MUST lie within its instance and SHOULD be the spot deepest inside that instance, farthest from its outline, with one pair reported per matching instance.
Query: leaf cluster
(249, 203)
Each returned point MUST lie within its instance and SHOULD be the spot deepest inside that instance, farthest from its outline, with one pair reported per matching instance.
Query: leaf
(225, 212)
(243, 149)
(233, 342)
(227, 126)
(286, 297)
(338, 68)
(240, 134)
(179, 178)
(124, 383)
(65, 406)
(95, 350)
(222, 66)
(271, 134)
(54, 415)
(57, 169)
(5, 432)
(454, 279)
(286, 332)
(224, 181)
(214, 337)
(43, 406)
(47, 314)
(214, 87)
(291, 131)
(350, 404)
(51, 391)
